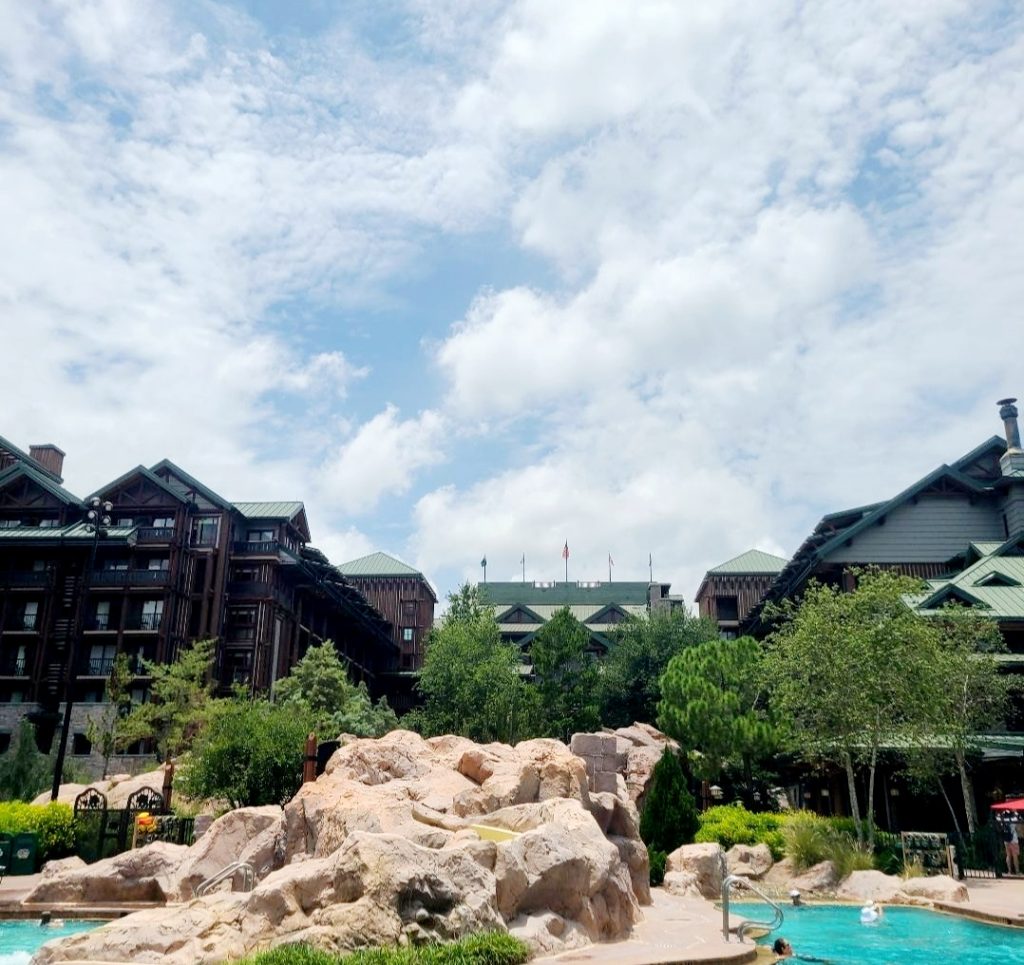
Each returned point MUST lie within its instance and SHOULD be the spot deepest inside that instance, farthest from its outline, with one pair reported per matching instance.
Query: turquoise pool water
(904, 936)
(19, 939)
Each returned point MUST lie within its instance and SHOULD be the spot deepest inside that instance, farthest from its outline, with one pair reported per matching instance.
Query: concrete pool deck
(675, 931)
(997, 900)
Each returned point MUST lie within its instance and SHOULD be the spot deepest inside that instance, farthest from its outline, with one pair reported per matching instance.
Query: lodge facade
(177, 563)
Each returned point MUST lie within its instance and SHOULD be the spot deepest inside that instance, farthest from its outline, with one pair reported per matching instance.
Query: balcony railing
(131, 578)
(102, 666)
(266, 547)
(22, 625)
(25, 578)
(99, 624)
(13, 668)
(240, 633)
(252, 588)
(155, 534)
(148, 621)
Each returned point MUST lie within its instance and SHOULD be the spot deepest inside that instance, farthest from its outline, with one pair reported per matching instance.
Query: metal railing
(13, 668)
(248, 878)
(147, 621)
(747, 925)
(155, 534)
(26, 578)
(130, 577)
(263, 547)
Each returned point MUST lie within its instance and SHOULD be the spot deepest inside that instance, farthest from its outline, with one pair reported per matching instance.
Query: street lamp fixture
(716, 792)
(97, 521)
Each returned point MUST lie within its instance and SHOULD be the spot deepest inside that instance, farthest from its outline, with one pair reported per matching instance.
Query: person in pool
(783, 949)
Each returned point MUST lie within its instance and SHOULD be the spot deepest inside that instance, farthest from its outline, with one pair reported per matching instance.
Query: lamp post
(97, 520)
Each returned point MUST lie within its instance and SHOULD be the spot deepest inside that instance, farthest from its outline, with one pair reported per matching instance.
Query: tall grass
(495, 948)
(811, 839)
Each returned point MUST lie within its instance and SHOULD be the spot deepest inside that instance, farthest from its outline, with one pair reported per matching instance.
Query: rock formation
(401, 840)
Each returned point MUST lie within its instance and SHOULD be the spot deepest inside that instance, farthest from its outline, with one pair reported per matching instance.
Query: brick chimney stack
(49, 457)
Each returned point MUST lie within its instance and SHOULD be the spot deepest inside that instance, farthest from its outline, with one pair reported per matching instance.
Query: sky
(660, 280)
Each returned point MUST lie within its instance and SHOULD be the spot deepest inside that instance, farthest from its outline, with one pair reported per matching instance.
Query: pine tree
(669, 817)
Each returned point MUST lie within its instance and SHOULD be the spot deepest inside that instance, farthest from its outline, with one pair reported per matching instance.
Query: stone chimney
(50, 457)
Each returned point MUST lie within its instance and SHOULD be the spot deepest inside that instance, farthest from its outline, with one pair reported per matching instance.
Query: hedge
(730, 824)
(53, 822)
(496, 948)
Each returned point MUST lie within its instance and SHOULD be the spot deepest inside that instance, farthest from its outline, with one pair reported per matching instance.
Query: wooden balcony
(155, 534)
(144, 578)
(25, 578)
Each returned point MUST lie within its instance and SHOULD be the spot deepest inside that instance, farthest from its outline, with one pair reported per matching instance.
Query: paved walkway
(675, 931)
(992, 899)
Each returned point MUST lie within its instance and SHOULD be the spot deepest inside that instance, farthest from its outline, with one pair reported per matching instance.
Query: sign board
(929, 849)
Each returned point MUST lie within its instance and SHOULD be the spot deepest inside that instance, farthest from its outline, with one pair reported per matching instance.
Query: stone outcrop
(623, 758)
(706, 862)
(862, 886)
(821, 877)
(935, 888)
(751, 861)
(382, 849)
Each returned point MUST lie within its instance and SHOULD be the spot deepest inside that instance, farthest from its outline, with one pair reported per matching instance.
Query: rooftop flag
(565, 551)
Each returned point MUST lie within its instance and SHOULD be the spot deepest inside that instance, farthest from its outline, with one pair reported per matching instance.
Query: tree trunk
(968, 790)
(854, 803)
(871, 799)
(949, 804)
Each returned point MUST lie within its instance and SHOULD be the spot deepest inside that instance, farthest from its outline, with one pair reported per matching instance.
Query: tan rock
(145, 874)
(935, 888)
(253, 835)
(861, 886)
(682, 883)
(705, 861)
(751, 861)
(634, 854)
(61, 866)
(820, 877)
(116, 788)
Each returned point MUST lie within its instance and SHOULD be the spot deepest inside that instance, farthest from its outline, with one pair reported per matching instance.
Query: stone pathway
(992, 899)
(675, 931)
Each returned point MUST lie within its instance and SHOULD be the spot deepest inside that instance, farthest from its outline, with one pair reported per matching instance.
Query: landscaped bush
(53, 822)
(656, 860)
(810, 839)
(496, 948)
(669, 818)
(730, 824)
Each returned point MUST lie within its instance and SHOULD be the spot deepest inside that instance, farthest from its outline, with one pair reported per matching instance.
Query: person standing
(1011, 845)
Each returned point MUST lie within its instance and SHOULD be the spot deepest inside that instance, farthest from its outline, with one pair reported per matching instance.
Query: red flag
(565, 551)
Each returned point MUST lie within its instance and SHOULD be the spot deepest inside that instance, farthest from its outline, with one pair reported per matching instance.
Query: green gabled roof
(46, 481)
(559, 595)
(983, 583)
(148, 475)
(26, 458)
(272, 510)
(377, 564)
(190, 483)
(753, 562)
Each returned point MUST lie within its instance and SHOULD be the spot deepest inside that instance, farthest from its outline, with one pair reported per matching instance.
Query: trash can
(5, 854)
(23, 854)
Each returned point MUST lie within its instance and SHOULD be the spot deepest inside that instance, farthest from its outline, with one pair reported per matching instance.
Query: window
(140, 695)
(125, 521)
(245, 574)
(9, 523)
(39, 566)
(101, 659)
(727, 607)
(163, 522)
(49, 523)
(81, 746)
(260, 536)
(243, 616)
(205, 530)
(407, 634)
(158, 563)
(119, 565)
(152, 612)
(409, 610)
(5, 741)
(101, 615)
(30, 615)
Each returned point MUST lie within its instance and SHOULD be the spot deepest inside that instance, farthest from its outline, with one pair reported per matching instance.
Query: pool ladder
(745, 926)
(248, 877)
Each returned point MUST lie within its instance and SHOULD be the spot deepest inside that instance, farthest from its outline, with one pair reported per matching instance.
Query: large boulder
(751, 861)
(935, 888)
(143, 875)
(863, 886)
(821, 877)
(253, 835)
(374, 890)
(705, 861)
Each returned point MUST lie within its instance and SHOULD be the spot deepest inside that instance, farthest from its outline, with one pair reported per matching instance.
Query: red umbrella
(1017, 804)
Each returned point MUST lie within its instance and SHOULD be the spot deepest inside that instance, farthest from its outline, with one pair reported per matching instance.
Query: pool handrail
(747, 925)
(248, 877)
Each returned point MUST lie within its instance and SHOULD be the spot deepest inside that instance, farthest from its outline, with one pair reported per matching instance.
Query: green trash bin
(5, 854)
(23, 854)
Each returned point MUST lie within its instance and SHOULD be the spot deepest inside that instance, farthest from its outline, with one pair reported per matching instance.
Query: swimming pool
(19, 939)
(904, 936)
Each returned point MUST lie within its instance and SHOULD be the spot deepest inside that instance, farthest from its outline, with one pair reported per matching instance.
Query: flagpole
(650, 564)
(609, 567)
(524, 567)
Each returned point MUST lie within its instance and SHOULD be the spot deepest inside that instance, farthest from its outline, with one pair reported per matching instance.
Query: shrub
(669, 818)
(810, 839)
(496, 948)
(730, 824)
(53, 822)
(656, 860)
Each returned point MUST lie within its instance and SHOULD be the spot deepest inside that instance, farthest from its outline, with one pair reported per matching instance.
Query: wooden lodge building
(177, 563)
(730, 591)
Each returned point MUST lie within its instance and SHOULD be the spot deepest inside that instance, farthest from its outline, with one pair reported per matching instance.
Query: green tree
(970, 696)
(25, 773)
(853, 672)
(629, 683)
(319, 686)
(103, 728)
(249, 752)
(179, 697)
(566, 677)
(669, 817)
(713, 703)
(472, 683)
